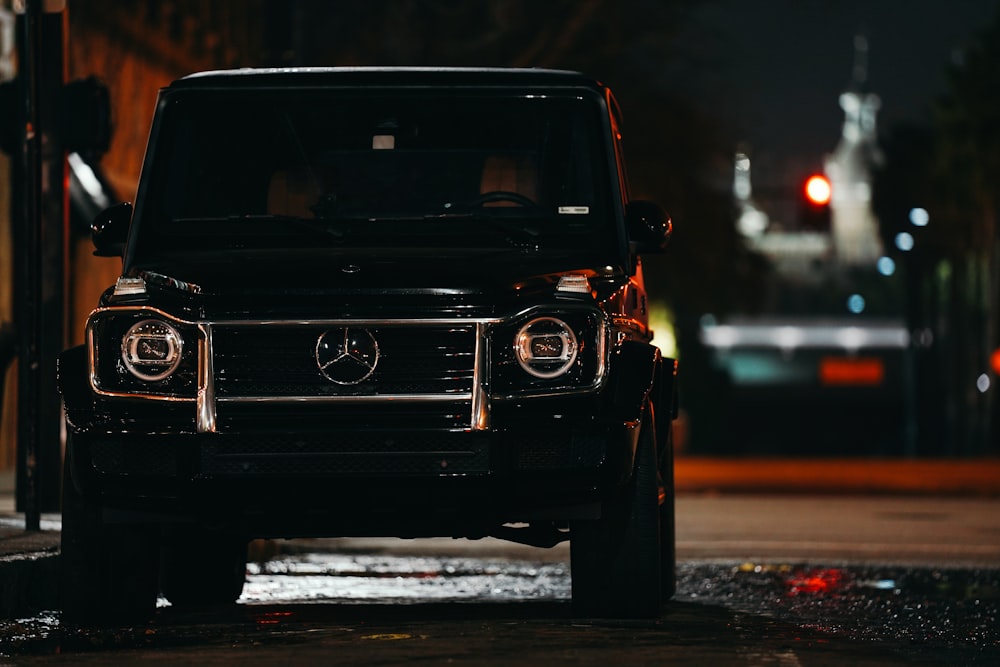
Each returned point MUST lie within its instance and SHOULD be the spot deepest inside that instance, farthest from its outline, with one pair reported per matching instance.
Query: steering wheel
(502, 195)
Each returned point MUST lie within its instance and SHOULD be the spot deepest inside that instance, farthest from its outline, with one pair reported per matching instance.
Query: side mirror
(648, 226)
(109, 230)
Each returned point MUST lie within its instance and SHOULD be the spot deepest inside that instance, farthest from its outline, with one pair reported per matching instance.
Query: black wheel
(202, 568)
(615, 561)
(107, 571)
(668, 539)
(502, 196)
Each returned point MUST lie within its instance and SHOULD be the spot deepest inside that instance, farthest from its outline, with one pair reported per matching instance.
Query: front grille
(559, 452)
(318, 416)
(349, 454)
(112, 456)
(279, 361)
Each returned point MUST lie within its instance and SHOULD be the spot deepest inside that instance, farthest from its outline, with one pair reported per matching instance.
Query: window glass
(261, 165)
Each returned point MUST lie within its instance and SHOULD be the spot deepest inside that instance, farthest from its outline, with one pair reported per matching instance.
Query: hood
(365, 288)
(321, 269)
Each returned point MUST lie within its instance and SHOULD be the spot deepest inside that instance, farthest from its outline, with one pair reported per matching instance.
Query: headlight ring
(545, 347)
(151, 350)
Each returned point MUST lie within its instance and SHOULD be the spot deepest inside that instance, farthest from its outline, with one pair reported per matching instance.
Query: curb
(29, 583)
(939, 477)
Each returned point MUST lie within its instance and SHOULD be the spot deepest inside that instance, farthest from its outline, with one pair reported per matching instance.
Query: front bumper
(352, 482)
(460, 461)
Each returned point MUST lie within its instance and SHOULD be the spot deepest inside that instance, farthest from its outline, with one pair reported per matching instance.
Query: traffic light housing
(814, 203)
(84, 116)
(10, 125)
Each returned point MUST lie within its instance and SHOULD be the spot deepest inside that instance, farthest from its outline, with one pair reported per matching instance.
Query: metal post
(28, 279)
(40, 232)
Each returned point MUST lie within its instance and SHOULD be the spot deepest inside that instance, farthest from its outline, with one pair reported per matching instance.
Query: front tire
(107, 571)
(202, 567)
(616, 561)
(668, 530)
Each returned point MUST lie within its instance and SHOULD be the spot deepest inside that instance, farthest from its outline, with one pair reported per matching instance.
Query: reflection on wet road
(954, 612)
(398, 579)
(953, 609)
(384, 608)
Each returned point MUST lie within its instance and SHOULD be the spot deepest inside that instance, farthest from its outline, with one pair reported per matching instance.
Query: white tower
(752, 221)
(854, 227)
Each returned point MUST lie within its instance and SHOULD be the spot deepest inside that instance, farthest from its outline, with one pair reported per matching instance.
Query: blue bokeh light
(886, 266)
(919, 217)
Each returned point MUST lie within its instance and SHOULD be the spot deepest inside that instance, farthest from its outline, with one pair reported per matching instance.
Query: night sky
(772, 70)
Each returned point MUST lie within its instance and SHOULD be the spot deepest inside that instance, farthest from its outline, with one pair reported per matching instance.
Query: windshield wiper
(323, 227)
(522, 237)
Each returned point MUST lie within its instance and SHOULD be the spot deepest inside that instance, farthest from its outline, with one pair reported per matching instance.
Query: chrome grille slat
(279, 362)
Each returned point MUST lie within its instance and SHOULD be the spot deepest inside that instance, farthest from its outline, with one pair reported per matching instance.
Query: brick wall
(135, 47)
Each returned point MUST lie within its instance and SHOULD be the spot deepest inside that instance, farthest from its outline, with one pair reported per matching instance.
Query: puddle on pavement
(365, 579)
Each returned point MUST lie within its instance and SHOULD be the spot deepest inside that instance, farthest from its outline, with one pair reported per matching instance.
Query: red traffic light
(818, 190)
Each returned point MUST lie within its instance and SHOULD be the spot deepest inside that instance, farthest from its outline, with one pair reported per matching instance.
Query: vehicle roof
(311, 77)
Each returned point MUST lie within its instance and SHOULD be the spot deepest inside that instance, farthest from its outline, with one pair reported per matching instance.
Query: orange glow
(818, 190)
(272, 618)
(995, 361)
(843, 371)
(815, 582)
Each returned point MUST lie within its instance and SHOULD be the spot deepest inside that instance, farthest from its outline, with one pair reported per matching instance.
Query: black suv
(371, 302)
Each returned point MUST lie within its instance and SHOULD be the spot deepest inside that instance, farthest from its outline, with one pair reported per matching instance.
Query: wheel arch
(634, 369)
(664, 397)
(72, 379)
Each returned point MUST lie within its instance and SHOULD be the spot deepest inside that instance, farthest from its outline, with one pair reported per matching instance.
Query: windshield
(297, 169)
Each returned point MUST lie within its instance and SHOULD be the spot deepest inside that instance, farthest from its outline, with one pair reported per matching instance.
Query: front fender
(664, 397)
(72, 378)
(633, 371)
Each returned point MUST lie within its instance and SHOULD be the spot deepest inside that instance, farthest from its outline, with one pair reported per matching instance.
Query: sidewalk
(955, 477)
(29, 560)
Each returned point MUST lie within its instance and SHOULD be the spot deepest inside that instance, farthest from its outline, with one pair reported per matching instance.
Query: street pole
(28, 278)
(40, 232)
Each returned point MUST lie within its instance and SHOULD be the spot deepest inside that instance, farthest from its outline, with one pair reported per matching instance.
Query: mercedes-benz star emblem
(347, 356)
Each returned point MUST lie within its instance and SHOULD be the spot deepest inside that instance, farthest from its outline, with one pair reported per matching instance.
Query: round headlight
(545, 347)
(151, 350)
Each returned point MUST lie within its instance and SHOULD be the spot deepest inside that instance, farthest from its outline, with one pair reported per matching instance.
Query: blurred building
(822, 369)
(794, 252)
(795, 247)
(854, 227)
(135, 47)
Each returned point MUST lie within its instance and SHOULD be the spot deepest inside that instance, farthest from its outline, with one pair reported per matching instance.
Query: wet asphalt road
(361, 602)
(321, 608)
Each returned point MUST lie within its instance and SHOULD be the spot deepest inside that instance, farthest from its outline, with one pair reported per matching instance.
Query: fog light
(151, 350)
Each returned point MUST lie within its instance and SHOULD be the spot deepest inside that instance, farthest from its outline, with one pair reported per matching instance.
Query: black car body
(401, 302)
